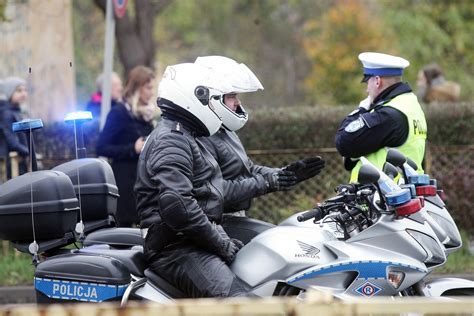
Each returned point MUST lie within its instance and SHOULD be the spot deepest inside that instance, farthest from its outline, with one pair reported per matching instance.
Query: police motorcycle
(435, 212)
(382, 252)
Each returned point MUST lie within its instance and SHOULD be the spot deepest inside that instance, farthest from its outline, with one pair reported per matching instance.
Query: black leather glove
(280, 180)
(306, 168)
(230, 249)
(230, 246)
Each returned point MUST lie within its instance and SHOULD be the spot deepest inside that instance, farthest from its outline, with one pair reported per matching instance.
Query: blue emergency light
(27, 125)
(80, 116)
(398, 197)
(419, 179)
(410, 187)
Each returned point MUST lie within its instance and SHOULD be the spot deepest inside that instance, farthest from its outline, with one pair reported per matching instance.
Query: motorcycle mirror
(390, 170)
(368, 174)
(412, 164)
(395, 157)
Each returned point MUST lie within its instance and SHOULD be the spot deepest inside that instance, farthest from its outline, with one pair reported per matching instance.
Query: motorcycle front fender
(448, 287)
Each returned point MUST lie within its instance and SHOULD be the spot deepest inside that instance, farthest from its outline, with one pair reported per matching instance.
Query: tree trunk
(134, 35)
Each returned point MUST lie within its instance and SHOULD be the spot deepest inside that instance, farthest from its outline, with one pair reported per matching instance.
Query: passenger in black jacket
(15, 92)
(180, 193)
(125, 130)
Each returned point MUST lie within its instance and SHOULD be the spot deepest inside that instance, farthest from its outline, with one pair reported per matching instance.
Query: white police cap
(378, 64)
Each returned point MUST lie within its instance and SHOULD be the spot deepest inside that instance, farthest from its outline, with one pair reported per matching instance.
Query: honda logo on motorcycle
(309, 251)
(368, 289)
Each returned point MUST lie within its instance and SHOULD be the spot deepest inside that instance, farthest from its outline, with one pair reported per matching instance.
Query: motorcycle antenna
(27, 126)
(78, 119)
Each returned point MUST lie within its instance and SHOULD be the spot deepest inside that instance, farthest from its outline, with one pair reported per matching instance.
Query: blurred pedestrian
(15, 94)
(433, 87)
(116, 89)
(126, 128)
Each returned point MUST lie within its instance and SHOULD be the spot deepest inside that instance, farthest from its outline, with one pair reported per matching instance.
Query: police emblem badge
(355, 125)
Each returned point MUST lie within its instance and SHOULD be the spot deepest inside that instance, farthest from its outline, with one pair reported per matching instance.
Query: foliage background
(304, 51)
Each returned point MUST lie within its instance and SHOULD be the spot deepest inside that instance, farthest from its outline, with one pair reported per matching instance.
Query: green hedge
(290, 127)
(315, 127)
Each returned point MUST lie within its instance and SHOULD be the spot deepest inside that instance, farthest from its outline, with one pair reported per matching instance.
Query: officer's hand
(306, 168)
(231, 247)
(280, 180)
(365, 104)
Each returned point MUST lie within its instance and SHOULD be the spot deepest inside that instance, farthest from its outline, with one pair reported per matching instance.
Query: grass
(15, 268)
(461, 261)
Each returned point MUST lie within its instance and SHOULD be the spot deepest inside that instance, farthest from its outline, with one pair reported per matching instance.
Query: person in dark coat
(15, 93)
(126, 128)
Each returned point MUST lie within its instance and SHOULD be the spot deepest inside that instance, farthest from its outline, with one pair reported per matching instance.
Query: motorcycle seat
(133, 259)
(163, 285)
(118, 237)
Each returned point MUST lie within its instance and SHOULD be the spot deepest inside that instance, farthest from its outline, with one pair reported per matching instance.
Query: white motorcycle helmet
(241, 79)
(186, 89)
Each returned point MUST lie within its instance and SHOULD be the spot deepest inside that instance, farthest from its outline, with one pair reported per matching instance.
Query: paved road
(26, 294)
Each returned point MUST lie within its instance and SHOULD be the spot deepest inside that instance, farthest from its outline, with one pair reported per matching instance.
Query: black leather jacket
(243, 179)
(179, 186)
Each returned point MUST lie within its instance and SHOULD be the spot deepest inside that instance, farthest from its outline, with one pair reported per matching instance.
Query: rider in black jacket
(244, 179)
(179, 190)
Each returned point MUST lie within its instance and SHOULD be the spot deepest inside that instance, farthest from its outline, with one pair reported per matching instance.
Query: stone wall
(37, 45)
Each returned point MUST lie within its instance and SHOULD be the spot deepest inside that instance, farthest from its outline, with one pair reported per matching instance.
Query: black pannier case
(80, 277)
(55, 206)
(99, 192)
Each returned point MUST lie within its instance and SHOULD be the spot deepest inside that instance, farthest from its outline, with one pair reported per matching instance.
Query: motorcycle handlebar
(315, 213)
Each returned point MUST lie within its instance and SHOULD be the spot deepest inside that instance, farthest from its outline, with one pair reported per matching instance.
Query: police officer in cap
(390, 116)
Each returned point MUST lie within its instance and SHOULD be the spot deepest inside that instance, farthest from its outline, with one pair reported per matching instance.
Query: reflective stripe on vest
(414, 146)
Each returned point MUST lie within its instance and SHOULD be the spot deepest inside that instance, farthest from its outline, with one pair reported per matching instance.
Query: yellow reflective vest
(414, 146)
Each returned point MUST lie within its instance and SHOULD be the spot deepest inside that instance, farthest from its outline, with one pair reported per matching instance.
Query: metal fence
(453, 167)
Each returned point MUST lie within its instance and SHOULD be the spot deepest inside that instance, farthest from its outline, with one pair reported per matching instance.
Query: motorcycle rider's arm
(258, 169)
(236, 191)
(365, 132)
(170, 165)
(241, 189)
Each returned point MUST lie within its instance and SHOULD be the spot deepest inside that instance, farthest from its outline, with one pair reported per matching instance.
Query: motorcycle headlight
(450, 229)
(434, 251)
(395, 278)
